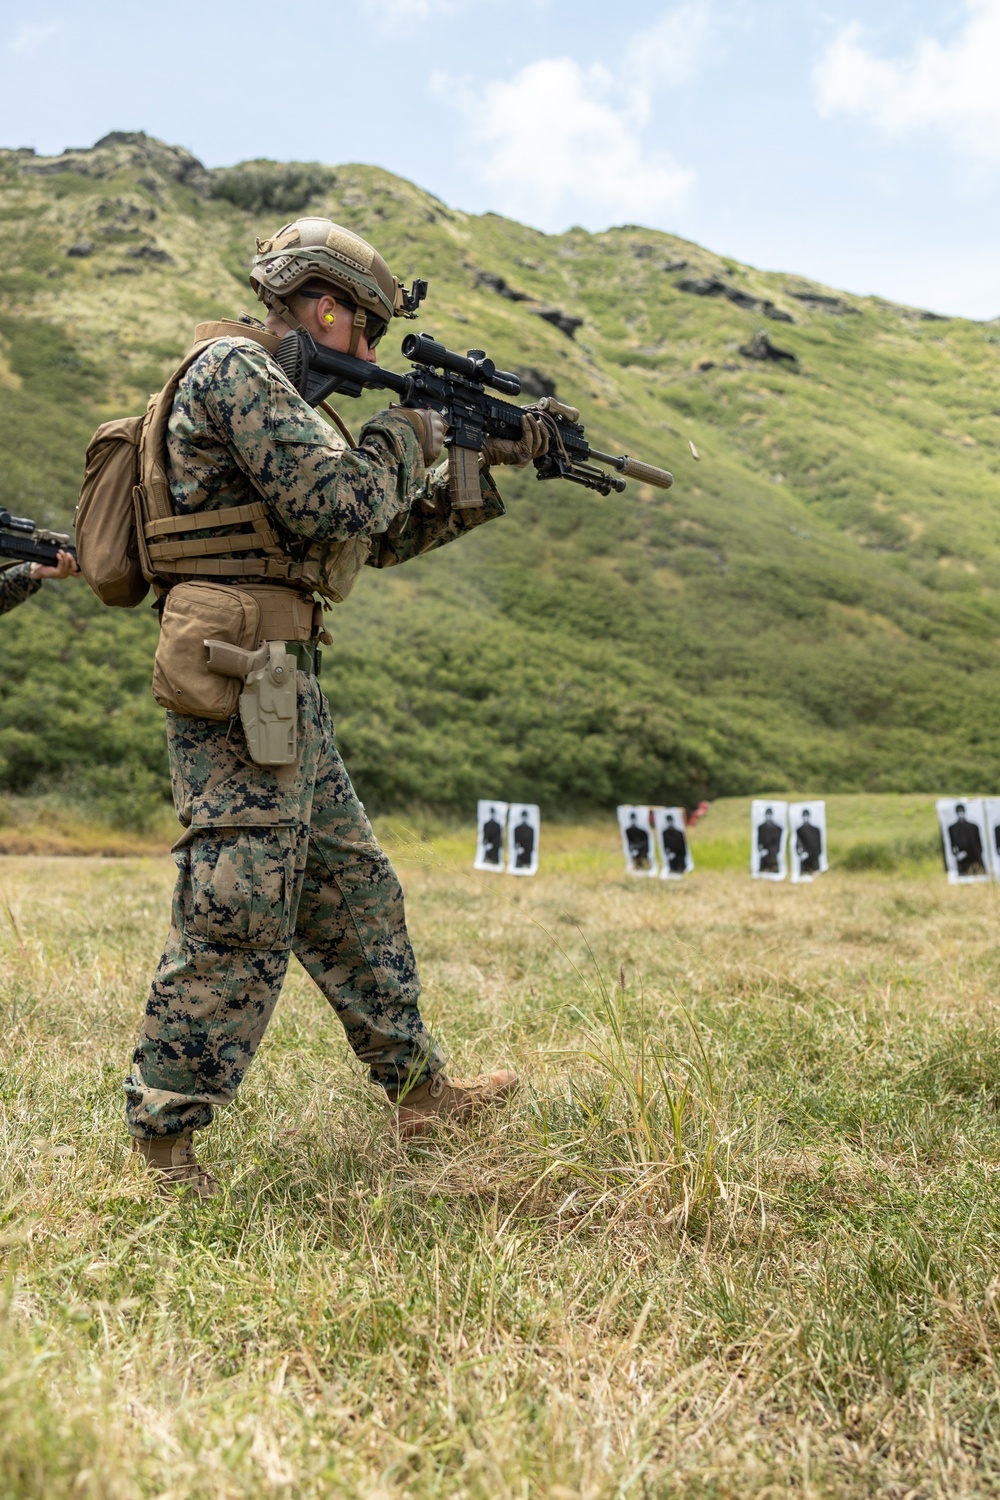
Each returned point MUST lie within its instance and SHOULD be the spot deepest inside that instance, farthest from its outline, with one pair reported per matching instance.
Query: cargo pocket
(242, 887)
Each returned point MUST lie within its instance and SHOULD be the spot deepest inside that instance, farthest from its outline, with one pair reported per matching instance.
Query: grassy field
(738, 1235)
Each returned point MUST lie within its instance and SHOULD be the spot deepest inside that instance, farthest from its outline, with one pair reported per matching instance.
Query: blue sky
(855, 143)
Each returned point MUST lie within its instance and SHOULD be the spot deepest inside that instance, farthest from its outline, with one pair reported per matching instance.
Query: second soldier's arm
(16, 585)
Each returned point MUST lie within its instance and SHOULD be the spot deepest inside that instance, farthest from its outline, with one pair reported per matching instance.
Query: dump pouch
(193, 613)
(332, 568)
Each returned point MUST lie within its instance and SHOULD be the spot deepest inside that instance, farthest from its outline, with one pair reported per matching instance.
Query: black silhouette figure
(768, 844)
(675, 849)
(524, 843)
(637, 839)
(492, 839)
(966, 844)
(808, 845)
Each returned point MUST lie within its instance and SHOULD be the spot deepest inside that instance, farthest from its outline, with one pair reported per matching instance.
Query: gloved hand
(430, 428)
(533, 443)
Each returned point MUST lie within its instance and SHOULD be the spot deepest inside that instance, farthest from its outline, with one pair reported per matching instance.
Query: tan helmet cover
(318, 249)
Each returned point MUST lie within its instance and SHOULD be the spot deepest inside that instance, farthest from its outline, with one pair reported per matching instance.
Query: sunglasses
(375, 326)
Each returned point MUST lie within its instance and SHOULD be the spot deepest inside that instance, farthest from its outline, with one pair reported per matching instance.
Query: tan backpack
(126, 528)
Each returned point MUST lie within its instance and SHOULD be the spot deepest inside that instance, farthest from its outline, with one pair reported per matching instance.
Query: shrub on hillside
(272, 187)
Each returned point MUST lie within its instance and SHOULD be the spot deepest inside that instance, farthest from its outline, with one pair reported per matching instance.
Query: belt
(308, 656)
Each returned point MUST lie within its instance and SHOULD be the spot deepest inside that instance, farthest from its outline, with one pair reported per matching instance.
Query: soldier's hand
(65, 567)
(533, 443)
(430, 428)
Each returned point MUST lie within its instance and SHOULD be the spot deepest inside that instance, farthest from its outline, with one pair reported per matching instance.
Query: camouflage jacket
(239, 432)
(16, 585)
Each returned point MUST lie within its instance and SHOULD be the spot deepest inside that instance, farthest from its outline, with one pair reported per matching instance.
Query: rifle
(27, 542)
(459, 386)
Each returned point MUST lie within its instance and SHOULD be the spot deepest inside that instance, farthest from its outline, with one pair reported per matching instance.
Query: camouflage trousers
(274, 861)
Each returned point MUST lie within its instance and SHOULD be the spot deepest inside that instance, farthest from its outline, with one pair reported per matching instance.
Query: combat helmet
(318, 250)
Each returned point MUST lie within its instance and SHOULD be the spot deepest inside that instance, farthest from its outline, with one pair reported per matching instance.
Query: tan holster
(269, 700)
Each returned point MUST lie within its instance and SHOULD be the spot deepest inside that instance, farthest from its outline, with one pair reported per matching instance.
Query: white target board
(769, 840)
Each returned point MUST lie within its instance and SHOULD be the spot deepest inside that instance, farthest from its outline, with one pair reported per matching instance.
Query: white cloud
(670, 51)
(31, 36)
(563, 142)
(951, 88)
(400, 12)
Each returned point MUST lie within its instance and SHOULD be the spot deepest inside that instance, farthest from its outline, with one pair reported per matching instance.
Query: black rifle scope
(474, 366)
(16, 523)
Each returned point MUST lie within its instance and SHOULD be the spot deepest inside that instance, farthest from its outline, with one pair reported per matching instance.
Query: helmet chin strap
(275, 304)
(360, 320)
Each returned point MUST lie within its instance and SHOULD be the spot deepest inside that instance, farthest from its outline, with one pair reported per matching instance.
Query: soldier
(24, 579)
(282, 860)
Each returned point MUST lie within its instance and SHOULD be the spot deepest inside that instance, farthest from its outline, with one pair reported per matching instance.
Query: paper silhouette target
(992, 810)
(638, 839)
(769, 840)
(672, 843)
(523, 827)
(807, 839)
(491, 823)
(966, 846)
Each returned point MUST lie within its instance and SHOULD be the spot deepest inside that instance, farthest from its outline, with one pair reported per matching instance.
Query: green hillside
(816, 603)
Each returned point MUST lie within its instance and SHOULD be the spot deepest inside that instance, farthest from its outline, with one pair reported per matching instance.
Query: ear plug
(329, 318)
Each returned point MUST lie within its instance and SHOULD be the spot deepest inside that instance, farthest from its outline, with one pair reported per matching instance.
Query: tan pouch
(332, 568)
(196, 612)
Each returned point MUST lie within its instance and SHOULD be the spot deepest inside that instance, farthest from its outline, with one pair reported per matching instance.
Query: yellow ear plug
(329, 318)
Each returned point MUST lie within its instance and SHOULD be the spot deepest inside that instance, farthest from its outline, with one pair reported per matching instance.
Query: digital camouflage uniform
(16, 585)
(276, 860)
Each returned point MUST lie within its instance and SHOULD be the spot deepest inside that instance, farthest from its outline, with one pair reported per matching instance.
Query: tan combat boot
(172, 1161)
(443, 1098)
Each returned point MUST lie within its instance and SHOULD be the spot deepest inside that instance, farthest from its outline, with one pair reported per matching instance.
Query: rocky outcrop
(565, 322)
(534, 382)
(153, 253)
(821, 302)
(118, 151)
(495, 283)
(760, 347)
(712, 286)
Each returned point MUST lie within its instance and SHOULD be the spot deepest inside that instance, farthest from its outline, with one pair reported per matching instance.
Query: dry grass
(738, 1235)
